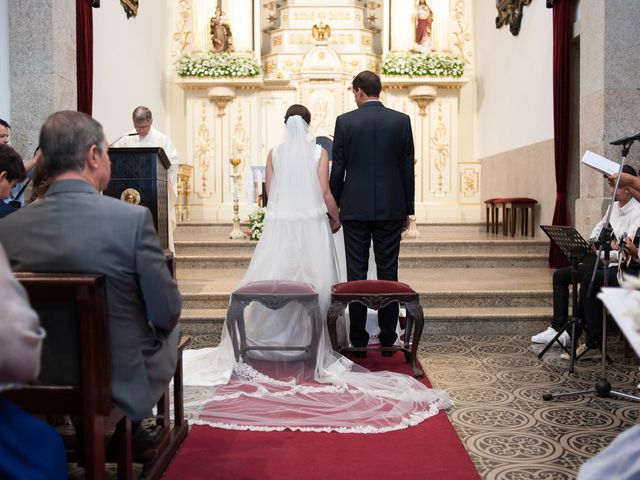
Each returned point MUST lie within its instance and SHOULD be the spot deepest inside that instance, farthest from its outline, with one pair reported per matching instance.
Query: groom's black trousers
(386, 247)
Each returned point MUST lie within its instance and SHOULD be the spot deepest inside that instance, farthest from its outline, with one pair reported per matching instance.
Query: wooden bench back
(75, 376)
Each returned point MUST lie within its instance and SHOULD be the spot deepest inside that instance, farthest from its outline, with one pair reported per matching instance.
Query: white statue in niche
(423, 22)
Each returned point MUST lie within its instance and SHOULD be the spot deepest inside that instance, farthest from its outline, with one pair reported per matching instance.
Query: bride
(275, 390)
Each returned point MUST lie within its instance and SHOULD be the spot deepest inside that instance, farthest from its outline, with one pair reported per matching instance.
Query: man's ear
(91, 158)
(3, 175)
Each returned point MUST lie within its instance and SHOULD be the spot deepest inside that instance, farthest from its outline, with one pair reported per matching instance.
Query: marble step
(477, 260)
(428, 300)
(438, 321)
(220, 231)
(410, 247)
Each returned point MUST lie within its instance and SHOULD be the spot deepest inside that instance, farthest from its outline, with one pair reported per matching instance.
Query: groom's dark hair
(297, 109)
(368, 82)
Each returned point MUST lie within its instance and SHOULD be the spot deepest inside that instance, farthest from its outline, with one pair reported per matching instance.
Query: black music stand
(575, 248)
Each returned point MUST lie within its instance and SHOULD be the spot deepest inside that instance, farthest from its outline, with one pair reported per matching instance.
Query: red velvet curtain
(84, 55)
(562, 23)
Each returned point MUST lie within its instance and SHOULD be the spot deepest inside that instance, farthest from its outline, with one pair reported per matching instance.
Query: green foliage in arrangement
(256, 222)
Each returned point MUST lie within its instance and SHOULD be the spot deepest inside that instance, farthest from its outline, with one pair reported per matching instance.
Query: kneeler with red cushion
(273, 294)
(376, 294)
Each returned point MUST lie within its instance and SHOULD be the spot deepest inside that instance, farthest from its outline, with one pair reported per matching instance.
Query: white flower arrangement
(212, 64)
(256, 222)
(423, 64)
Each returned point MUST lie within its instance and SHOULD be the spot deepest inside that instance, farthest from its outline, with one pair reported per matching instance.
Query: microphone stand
(602, 387)
(121, 137)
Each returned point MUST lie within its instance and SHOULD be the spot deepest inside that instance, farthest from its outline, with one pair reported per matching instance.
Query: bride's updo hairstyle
(298, 110)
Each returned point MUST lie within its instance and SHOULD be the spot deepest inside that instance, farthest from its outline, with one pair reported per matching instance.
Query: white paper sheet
(599, 163)
(624, 306)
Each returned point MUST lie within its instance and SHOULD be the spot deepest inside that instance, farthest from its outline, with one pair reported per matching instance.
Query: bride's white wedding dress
(275, 390)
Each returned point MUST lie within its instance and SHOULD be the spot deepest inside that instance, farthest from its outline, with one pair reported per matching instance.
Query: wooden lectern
(139, 175)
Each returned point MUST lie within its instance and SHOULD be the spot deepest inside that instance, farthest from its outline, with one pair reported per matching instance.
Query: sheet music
(624, 306)
(599, 163)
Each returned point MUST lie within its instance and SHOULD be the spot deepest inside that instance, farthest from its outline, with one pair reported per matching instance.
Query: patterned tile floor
(497, 383)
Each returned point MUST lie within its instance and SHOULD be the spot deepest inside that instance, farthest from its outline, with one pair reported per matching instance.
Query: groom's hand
(334, 224)
(405, 225)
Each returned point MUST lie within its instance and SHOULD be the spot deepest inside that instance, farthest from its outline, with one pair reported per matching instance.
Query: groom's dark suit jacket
(372, 170)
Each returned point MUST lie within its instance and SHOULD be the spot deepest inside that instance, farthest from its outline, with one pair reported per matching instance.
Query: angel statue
(424, 19)
(220, 33)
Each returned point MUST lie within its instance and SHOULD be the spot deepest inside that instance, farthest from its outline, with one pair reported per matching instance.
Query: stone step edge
(481, 256)
(491, 242)
(218, 315)
(432, 293)
(425, 224)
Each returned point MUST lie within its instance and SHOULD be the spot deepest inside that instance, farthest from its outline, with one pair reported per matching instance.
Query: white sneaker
(549, 334)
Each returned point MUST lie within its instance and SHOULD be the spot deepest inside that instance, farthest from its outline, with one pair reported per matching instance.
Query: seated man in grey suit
(75, 229)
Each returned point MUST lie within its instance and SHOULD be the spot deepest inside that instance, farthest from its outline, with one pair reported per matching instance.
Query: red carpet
(430, 450)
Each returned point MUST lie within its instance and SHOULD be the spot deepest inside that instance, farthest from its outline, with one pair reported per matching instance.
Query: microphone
(121, 137)
(625, 140)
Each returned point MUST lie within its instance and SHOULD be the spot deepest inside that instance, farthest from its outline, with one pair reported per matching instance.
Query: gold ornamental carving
(304, 16)
(423, 95)
(203, 146)
(292, 66)
(221, 96)
(440, 147)
(321, 32)
(271, 5)
(462, 36)
(276, 40)
(182, 34)
(300, 39)
(339, 16)
(130, 195)
(469, 182)
(240, 143)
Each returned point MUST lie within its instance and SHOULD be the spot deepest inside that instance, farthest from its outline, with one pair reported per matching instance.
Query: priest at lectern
(147, 136)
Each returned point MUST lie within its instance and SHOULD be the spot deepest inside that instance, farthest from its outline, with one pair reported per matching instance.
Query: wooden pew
(75, 377)
(76, 373)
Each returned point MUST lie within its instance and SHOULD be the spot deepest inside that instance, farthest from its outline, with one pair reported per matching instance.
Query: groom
(372, 181)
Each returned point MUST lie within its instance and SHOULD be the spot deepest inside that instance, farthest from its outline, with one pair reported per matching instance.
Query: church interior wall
(514, 106)
(5, 86)
(131, 65)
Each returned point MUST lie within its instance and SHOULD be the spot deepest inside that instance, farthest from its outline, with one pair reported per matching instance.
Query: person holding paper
(625, 219)
(628, 181)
